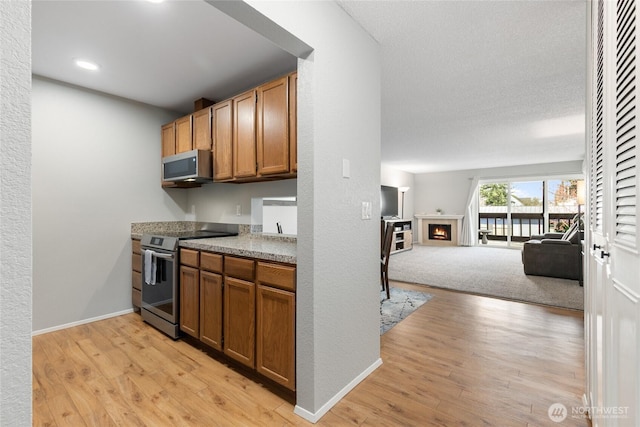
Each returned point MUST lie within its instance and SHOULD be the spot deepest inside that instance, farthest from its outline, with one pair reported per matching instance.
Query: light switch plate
(346, 168)
(366, 210)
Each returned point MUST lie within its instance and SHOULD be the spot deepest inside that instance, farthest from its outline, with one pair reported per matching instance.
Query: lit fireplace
(440, 231)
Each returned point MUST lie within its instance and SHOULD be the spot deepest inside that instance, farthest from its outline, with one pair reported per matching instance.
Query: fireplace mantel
(423, 228)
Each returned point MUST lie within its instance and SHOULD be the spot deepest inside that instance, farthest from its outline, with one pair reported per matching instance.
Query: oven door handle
(159, 255)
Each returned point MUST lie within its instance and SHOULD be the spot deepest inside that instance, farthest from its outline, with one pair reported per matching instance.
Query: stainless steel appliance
(160, 275)
(190, 166)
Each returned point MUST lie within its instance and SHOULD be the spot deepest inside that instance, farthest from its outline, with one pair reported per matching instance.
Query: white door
(595, 239)
(622, 311)
(612, 312)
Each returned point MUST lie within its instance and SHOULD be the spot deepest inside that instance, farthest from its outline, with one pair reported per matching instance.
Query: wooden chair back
(388, 240)
(384, 257)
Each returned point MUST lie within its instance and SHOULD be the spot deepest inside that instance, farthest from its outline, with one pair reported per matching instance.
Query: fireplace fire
(440, 231)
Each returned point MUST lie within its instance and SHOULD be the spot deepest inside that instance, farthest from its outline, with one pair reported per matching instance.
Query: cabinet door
(211, 309)
(168, 140)
(183, 135)
(239, 320)
(273, 127)
(223, 141)
(275, 335)
(136, 274)
(293, 121)
(190, 301)
(202, 129)
(408, 239)
(244, 135)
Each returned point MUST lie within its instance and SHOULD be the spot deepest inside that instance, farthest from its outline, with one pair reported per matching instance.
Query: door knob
(596, 247)
(604, 254)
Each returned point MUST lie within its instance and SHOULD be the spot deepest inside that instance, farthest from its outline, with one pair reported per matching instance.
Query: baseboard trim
(80, 322)
(314, 417)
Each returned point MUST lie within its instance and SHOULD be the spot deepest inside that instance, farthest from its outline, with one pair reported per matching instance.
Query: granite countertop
(280, 250)
(270, 247)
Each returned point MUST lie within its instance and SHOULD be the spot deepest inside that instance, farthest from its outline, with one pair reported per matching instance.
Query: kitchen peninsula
(236, 295)
(270, 247)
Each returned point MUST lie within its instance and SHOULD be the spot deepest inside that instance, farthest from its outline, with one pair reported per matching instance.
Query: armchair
(554, 254)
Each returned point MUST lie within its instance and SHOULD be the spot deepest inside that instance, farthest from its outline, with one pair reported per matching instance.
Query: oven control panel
(157, 240)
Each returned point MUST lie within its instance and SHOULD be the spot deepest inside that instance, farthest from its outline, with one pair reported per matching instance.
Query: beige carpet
(483, 270)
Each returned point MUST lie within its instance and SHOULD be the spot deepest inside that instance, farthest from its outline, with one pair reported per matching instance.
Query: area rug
(402, 303)
(482, 270)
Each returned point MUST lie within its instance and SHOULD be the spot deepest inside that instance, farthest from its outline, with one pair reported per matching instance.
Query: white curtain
(469, 236)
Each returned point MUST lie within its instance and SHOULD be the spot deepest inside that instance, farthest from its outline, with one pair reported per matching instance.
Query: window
(515, 211)
(563, 203)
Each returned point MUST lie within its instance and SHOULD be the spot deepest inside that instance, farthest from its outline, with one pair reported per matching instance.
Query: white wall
(449, 191)
(217, 202)
(338, 339)
(286, 216)
(397, 178)
(15, 214)
(96, 169)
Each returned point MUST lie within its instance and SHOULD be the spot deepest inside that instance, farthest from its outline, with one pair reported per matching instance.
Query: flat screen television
(388, 202)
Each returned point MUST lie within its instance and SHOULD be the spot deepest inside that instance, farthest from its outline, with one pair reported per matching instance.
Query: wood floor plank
(42, 417)
(117, 405)
(64, 411)
(457, 360)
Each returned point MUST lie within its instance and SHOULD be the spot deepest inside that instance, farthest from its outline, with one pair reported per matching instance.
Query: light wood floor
(459, 360)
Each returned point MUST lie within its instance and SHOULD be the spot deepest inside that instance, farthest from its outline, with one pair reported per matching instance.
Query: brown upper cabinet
(273, 127)
(293, 121)
(254, 134)
(201, 130)
(184, 134)
(223, 140)
(187, 133)
(244, 135)
(169, 139)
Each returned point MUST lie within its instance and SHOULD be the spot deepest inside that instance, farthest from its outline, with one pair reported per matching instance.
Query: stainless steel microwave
(190, 166)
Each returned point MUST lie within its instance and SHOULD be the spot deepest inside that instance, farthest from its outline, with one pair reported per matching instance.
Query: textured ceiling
(465, 84)
(470, 84)
(167, 54)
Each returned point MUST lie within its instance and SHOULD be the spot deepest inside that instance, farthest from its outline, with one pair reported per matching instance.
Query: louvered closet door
(595, 239)
(623, 296)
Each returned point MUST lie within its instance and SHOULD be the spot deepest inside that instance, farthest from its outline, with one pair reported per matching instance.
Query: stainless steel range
(160, 275)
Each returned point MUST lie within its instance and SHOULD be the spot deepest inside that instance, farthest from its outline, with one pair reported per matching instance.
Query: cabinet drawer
(280, 276)
(239, 268)
(136, 280)
(136, 262)
(136, 298)
(211, 262)
(189, 257)
(135, 246)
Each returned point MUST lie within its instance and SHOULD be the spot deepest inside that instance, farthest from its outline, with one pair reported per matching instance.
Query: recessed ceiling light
(155, 1)
(87, 65)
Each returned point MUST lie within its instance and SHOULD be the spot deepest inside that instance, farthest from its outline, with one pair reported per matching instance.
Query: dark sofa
(554, 254)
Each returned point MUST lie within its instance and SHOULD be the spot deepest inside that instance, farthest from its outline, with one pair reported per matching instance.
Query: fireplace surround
(439, 230)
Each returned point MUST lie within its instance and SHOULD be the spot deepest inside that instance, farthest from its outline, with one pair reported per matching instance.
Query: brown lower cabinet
(211, 309)
(240, 321)
(244, 308)
(190, 301)
(136, 274)
(275, 349)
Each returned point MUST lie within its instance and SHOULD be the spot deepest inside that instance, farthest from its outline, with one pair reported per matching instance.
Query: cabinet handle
(604, 254)
(596, 247)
